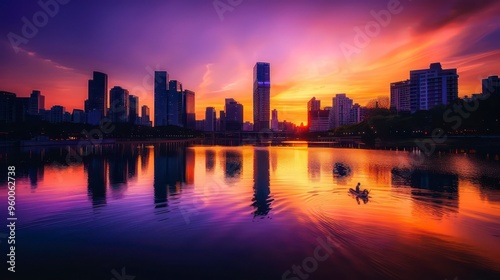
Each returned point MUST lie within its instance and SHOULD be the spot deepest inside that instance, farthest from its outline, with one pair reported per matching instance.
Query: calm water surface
(169, 211)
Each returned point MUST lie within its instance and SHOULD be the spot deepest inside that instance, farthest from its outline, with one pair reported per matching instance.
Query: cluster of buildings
(119, 106)
(175, 106)
(428, 88)
(341, 112)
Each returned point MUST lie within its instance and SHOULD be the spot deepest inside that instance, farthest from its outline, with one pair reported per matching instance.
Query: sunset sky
(213, 53)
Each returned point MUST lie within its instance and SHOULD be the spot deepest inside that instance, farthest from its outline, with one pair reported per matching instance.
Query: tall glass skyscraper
(98, 95)
(261, 96)
(161, 91)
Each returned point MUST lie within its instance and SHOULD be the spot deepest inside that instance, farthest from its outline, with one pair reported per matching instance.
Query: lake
(174, 211)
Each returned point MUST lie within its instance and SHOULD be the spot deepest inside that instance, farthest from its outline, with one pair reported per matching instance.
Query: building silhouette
(160, 103)
(400, 96)
(210, 119)
(133, 102)
(189, 111)
(432, 87)
(174, 103)
(97, 101)
(7, 107)
(36, 103)
(119, 102)
(234, 115)
(274, 120)
(145, 116)
(261, 96)
(491, 85)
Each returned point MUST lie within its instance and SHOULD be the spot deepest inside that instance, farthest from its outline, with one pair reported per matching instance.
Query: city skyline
(460, 35)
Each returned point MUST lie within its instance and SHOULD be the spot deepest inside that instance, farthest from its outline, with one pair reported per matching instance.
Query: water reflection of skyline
(261, 200)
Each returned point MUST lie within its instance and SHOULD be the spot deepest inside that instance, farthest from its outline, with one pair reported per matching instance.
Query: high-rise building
(317, 119)
(36, 103)
(7, 107)
(119, 102)
(234, 115)
(174, 103)
(145, 116)
(340, 114)
(355, 114)
(189, 113)
(97, 95)
(221, 121)
(400, 96)
(210, 119)
(491, 85)
(261, 96)
(432, 87)
(274, 120)
(133, 103)
(161, 91)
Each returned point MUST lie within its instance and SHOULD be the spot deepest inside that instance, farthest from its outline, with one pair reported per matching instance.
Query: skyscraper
(160, 106)
(491, 85)
(133, 102)
(400, 96)
(189, 113)
(340, 114)
(97, 95)
(432, 87)
(274, 120)
(119, 105)
(145, 116)
(210, 119)
(234, 115)
(174, 103)
(36, 103)
(261, 96)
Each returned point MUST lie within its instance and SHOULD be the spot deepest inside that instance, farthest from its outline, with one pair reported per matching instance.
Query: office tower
(210, 119)
(400, 96)
(174, 103)
(145, 116)
(317, 119)
(234, 115)
(261, 96)
(21, 110)
(189, 113)
(57, 114)
(274, 120)
(491, 85)
(221, 121)
(161, 91)
(432, 87)
(36, 103)
(355, 116)
(340, 114)
(133, 103)
(7, 107)
(97, 95)
(119, 106)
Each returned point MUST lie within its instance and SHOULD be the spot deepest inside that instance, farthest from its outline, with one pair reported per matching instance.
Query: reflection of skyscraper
(169, 172)
(117, 174)
(261, 96)
(96, 180)
(261, 177)
(36, 174)
(234, 163)
(145, 152)
(190, 161)
(209, 160)
(313, 166)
